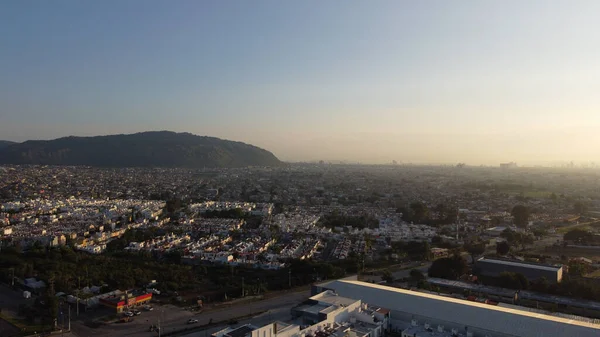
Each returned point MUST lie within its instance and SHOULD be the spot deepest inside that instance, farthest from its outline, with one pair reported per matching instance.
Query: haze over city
(425, 82)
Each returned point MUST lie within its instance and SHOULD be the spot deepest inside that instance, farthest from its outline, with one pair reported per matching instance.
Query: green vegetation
(5, 143)
(521, 215)
(475, 249)
(70, 270)
(339, 220)
(450, 268)
(415, 250)
(517, 238)
(580, 236)
(571, 286)
(502, 248)
(146, 149)
(580, 208)
(418, 212)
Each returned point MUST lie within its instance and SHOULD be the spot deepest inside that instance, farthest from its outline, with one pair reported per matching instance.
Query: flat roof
(241, 331)
(312, 308)
(421, 331)
(477, 315)
(333, 299)
(520, 264)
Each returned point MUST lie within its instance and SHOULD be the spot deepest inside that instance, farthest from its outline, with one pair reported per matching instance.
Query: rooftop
(333, 299)
(241, 331)
(519, 264)
(469, 314)
(421, 331)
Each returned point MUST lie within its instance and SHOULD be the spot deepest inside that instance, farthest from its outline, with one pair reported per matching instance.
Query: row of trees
(235, 213)
(335, 219)
(521, 213)
(582, 236)
(515, 238)
(419, 212)
(573, 285)
(70, 270)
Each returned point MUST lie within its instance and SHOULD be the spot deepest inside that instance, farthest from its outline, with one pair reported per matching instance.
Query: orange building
(126, 301)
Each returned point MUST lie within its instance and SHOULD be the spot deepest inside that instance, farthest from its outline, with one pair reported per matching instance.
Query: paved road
(280, 314)
(397, 274)
(175, 319)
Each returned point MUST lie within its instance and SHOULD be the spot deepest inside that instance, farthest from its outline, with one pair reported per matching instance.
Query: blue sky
(374, 81)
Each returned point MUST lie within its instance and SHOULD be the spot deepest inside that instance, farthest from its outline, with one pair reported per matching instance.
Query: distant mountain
(145, 149)
(5, 143)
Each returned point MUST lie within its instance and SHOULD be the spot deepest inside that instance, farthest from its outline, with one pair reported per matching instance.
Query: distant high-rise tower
(508, 165)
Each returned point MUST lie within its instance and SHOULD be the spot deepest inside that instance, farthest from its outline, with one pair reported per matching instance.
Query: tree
(513, 281)
(540, 285)
(509, 235)
(475, 249)
(420, 211)
(502, 248)
(449, 267)
(580, 208)
(526, 239)
(416, 275)
(173, 205)
(539, 232)
(407, 213)
(387, 276)
(520, 214)
(577, 235)
(577, 269)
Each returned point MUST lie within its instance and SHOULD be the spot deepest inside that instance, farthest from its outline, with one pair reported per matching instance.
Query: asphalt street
(397, 274)
(280, 314)
(175, 319)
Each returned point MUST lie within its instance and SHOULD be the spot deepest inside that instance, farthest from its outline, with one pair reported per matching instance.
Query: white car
(192, 321)
(129, 314)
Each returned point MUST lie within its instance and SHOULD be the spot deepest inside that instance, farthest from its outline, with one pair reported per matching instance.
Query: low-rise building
(532, 271)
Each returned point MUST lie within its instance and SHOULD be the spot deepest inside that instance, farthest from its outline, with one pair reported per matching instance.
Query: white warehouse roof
(520, 264)
(472, 314)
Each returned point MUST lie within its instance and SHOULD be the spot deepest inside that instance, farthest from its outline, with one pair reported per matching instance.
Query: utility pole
(12, 278)
(243, 292)
(62, 314)
(290, 278)
(69, 316)
(162, 312)
(78, 288)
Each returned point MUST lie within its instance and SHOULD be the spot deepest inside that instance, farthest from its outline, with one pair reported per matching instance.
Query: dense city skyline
(432, 82)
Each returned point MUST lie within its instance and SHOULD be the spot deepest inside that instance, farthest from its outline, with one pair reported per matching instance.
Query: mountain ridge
(5, 143)
(142, 149)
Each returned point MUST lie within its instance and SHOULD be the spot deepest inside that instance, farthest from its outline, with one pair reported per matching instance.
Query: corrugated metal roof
(519, 264)
(501, 320)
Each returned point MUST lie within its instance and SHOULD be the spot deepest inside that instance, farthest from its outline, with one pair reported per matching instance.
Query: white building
(423, 314)
(323, 315)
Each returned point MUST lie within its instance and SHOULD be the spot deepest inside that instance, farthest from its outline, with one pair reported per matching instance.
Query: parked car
(192, 321)
(128, 314)
(136, 312)
(148, 308)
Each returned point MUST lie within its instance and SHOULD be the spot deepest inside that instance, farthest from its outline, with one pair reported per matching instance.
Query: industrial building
(417, 314)
(532, 271)
(323, 315)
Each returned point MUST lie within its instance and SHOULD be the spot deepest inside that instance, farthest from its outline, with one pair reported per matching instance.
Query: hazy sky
(442, 81)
